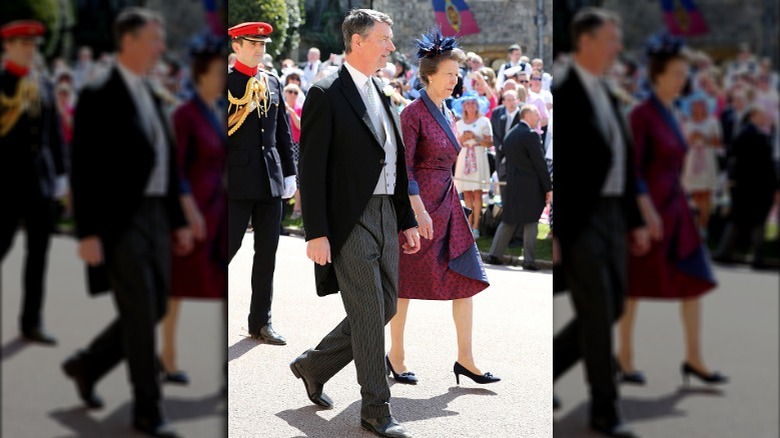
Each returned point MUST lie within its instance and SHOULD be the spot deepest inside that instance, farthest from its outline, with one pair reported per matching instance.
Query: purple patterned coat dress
(447, 267)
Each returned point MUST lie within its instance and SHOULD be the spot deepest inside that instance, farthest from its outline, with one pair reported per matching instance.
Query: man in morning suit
(596, 209)
(504, 118)
(261, 171)
(32, 167)
(126, 205)
(355, 201)
(528, 188)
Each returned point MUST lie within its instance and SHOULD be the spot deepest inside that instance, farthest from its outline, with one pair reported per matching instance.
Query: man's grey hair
(133, 19)
(361, 21)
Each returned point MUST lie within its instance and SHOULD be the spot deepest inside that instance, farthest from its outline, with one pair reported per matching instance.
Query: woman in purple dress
(448, 266)
(201, 152)
(676, 267)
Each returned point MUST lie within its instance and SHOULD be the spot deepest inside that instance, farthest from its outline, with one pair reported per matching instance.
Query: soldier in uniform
(33, 164)
(261, 171)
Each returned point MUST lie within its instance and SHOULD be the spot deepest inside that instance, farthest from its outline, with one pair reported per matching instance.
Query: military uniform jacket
(260, 150)
(32, 153)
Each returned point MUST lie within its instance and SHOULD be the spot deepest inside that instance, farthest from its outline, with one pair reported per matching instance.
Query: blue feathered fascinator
(433, 43)
(663, 44)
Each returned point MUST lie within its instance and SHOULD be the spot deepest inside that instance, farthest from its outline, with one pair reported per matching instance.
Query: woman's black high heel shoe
(714, 378)
(459, 369)
(634, 377)
(408, 377)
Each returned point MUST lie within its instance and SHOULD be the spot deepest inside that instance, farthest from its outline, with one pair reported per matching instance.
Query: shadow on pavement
(119, 423)
(347, 422)
(243, 346)
(575, 423)
(12, 348)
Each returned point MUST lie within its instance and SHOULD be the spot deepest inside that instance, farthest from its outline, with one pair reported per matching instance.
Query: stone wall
(730, 22)
(501, 22)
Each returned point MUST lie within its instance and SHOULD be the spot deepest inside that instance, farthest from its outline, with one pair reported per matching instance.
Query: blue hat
(457, 104)
(686, 103)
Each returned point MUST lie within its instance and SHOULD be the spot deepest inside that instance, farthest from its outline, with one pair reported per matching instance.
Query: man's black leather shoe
(493, 260)
(386, 427)
(74, 368)
(270, 336)
(313, 389)
(614, 428)
(38, 335)
(154, 427)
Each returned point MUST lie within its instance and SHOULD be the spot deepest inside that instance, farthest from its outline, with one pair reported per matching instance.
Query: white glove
(61, 186)
(289, 187)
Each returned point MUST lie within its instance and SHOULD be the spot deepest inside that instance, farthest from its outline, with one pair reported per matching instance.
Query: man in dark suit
(355, 202)
(32, 164)
(528, 188)
(504, 118)
(126, 202)
(596, 209)
(261, 171)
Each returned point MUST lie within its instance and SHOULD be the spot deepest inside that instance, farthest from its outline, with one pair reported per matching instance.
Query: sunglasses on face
(524, 81)
(292, 92)
(536, 79)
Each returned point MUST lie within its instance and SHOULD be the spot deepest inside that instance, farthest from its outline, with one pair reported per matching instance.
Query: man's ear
(356, 40)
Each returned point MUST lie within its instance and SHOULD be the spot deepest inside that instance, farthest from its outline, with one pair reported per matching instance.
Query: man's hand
(289, 187)
(318, 251)
(548, 197)
(91, 250)
(640, 241)
(412, 244)
(182, 241)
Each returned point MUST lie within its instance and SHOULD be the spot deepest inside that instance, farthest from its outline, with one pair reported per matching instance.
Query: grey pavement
(740, 338)
(512, 333)
(39, 402)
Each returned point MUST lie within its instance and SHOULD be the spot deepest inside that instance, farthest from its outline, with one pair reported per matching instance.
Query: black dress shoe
(386, 427)
(530, 267)
(176, 377)
(38, 335)
(408, 377)
(493, 260)
(270, 336)
(313, 389)
(154, 427)
(556, 403)
(459, 370)
(612, 428)
(74, 368)
(714, 378)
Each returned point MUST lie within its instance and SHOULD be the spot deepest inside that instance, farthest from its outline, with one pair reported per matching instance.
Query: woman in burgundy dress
(677, 266)
(448, 266)
(201, 152)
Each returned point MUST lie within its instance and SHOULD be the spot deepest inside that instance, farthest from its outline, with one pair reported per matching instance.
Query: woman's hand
(425, 224)
(652, 220)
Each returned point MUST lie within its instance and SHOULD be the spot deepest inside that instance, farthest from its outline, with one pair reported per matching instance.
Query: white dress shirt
(386, 183)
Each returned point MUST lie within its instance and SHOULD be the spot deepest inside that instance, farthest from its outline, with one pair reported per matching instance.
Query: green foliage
(273, 12)
(329, 38)
(295, 20)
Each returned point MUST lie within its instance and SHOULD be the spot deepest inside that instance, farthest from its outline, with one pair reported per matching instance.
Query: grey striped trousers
(367, 271)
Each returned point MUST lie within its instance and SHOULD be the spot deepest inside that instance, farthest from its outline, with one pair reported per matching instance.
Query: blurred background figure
(292, 99)
(33, 165)
(755, 186)
(201, 152)
(472, 170)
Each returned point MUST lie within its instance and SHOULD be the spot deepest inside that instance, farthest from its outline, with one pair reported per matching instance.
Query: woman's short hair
(430, 65)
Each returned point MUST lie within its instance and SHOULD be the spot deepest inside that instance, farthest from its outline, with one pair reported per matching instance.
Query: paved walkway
(740, 338)
(513, 328)
(39, 402)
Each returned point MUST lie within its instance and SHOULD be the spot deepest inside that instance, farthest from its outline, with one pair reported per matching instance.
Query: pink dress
(447, 267)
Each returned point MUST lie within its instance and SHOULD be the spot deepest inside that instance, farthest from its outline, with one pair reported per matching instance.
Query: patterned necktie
(373, 111)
